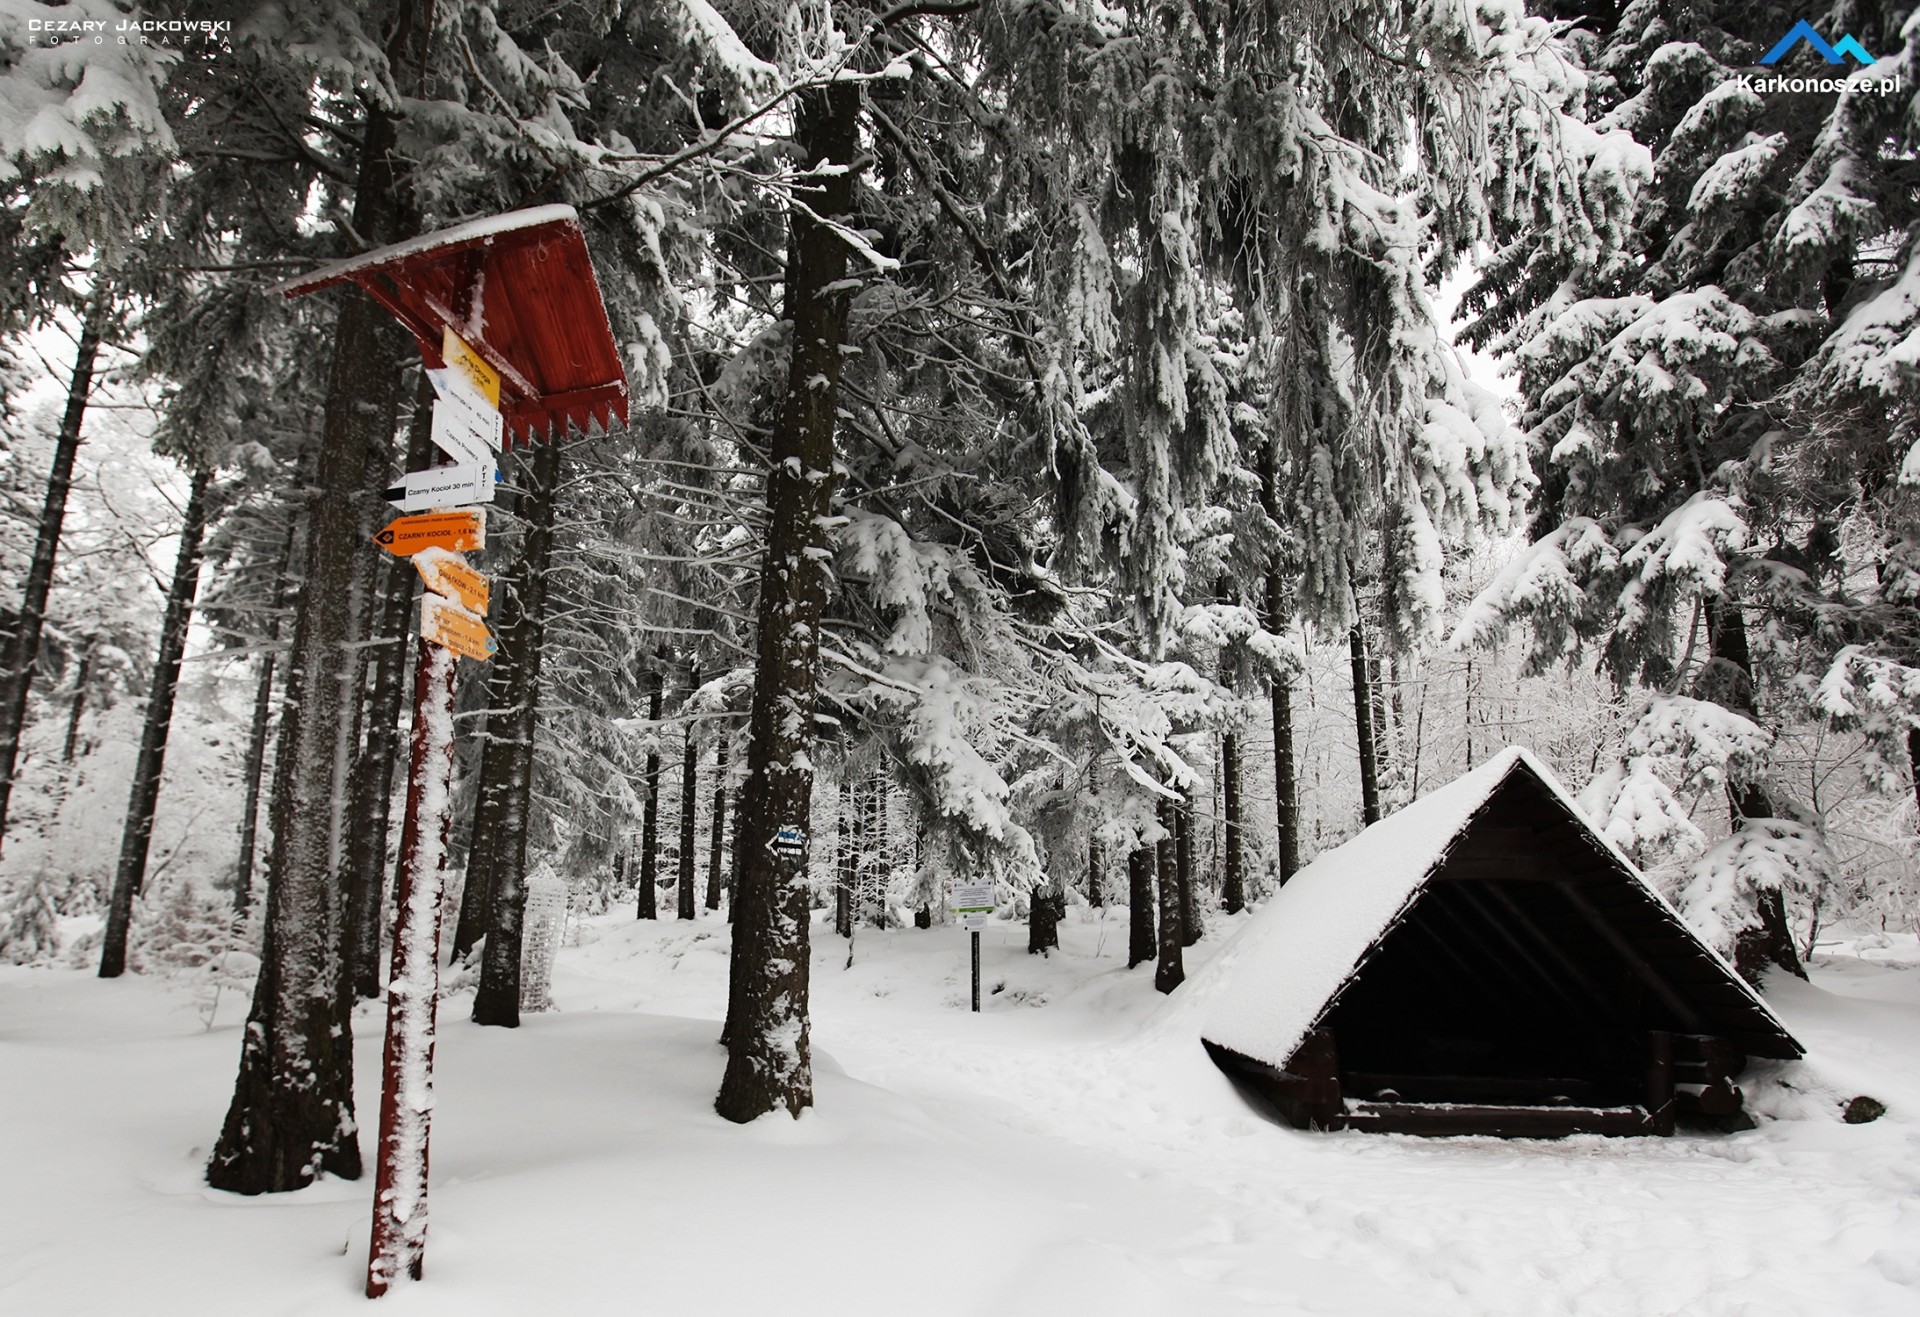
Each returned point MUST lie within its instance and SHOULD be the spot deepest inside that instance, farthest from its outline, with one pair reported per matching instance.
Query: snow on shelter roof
(1277, 978)
(491, 226)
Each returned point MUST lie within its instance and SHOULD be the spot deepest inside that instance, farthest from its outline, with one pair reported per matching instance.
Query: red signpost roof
(519, 288)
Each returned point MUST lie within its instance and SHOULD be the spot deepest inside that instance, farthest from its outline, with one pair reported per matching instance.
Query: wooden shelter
(1484, 962)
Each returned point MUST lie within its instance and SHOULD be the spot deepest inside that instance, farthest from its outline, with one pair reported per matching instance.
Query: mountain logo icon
(1837, 53)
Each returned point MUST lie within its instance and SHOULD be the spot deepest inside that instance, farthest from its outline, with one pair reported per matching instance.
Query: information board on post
(972, 903)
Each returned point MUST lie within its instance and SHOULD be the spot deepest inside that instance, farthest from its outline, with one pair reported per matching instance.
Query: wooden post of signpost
(533, 358)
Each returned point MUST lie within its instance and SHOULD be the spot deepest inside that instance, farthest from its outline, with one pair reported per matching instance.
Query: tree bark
(689, 811)
(136, 835)
(769, 1061)
(1768, 944)
(292, 1112)
(1190, 928)
(650, 811)
(849, 870)
(1096, 863)
(497, 1000)
(1363, 726)
(78, 708)
(1046, 904)
(371, 817)
(715, 882)
(1913, 761)
(1141, 942)
(1170, 971)
(22, 654)
(492, 792)
(1233, 878)
(257, 733)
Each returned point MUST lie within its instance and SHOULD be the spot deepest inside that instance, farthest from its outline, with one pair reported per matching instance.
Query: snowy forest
(1115, 452)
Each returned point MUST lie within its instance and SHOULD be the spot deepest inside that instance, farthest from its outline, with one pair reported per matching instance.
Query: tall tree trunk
(650, 810)
(1233, 878)
(874, 839)
(1286, 781)
(689, 811)
(292, 1112)
(371, 817)
(1170, 971)
(714, 880)
(136, 835)
(493, 790)
(1096, 864)
(497, 1000)
(78, 708)
(1363, 726)
(1913, 761)
(769, 1057)
(1768, 944)
(1141, 943)
(1183, 869)
(849, 873)
(22, 654)
(256, 765)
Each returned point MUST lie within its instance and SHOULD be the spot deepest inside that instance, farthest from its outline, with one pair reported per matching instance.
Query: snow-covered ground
(1068, 1151)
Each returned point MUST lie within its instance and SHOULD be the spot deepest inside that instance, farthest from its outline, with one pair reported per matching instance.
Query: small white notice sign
(972, 903)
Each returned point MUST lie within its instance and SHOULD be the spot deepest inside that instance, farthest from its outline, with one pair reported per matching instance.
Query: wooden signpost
(535, 355)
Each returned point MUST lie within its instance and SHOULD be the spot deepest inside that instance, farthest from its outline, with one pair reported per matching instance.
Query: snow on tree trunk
(1169, 971)
(546, 921)
(1096, 864)
(371, 815)
(1141, 943)
(136, 835)
(497, 1000)
(768, 1060)
(848, 873)
(714, 845)
(1190, 927)
(77, 709)
(256, 766)
(1363, 725)
(1233, 882)
(689, 811)
(413, 987)
(649, 907)
(22, 653)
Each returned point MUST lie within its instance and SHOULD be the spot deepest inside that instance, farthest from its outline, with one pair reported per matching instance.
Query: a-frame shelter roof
(1283, 973)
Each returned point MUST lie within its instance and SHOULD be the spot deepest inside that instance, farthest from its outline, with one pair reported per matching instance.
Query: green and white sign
(972, 903)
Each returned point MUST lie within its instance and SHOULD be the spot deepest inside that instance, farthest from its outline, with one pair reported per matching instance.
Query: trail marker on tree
(533, 356)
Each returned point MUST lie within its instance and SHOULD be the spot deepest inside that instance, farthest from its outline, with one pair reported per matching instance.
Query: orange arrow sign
(452, 627)
(448, 574)
(458, 531)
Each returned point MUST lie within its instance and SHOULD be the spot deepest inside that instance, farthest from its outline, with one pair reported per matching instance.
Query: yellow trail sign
(448, 574)
(456, 531)
(464, 361)
(450, 626)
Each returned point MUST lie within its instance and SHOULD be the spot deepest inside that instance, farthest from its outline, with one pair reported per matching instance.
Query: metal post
(413, 989)
(975, 935)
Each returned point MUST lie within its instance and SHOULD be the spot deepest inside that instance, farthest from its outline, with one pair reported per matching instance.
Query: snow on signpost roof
(1271, 984)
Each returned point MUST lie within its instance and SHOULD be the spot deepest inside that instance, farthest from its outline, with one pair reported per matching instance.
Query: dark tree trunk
(848, 867)
(1233, 877)
(497, 1000)
(1141, 944)
(292, 1112)
(769, 1059)
(1363, 726)
(1046, 904)
(619, 864)
(714, 880)
(256, 768)
(689, 811)
(1769, 944)
(78, 708)
(22, 654)
(1190, 928)
(136, 835)
(1286, 783)
(371, 816)
(493, 791)
(650, 810)
(1170, 971)
(1913, 761)
(1096, 864)
(873, 848)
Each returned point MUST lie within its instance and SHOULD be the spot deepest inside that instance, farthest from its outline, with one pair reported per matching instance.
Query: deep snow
(1070, 1150)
